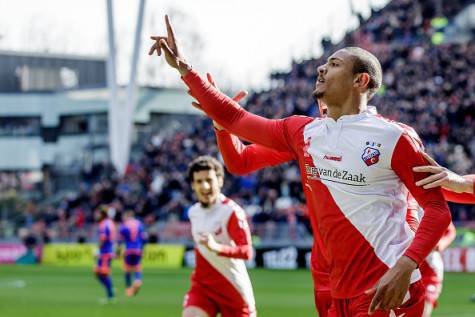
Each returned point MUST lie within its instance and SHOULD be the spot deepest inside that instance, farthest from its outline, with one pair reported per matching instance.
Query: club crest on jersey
(371, 153)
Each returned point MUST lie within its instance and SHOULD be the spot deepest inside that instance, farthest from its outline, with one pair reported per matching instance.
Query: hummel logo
(332, 158)
(393, 314)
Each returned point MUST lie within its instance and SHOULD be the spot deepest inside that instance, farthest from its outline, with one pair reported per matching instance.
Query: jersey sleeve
(241, 159)
(436, 217)
(448, 238)
(236, 120)
(461, 198)
(238, 230)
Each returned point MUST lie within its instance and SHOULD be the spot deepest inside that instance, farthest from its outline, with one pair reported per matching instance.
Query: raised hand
(169, 47)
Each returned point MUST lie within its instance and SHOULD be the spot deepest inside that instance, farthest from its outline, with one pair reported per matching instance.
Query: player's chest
(346, 156)
(208, 222)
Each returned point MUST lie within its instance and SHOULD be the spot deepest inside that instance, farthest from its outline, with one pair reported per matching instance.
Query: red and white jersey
(224, 273)
(356, 170)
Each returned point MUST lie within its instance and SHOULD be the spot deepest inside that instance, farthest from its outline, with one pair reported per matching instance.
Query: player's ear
(361, 80)
(220, 181)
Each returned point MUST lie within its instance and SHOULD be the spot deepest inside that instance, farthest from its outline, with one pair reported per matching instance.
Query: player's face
(207, 186)
(335, 78)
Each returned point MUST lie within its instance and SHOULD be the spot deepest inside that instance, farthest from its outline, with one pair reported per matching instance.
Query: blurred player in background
(106, 233)
(220, 282)
(132, 235)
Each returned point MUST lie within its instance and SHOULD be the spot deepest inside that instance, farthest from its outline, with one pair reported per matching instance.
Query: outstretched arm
(241, 159)
(219, 107)
(456, 188)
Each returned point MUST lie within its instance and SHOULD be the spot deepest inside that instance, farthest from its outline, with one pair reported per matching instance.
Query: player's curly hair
(365, 62)
(204, 163)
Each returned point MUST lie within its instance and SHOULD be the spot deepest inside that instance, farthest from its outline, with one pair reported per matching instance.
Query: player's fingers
(170, 33)
(166, 48)
(157, 45)
(158, 38)
(211, 80)
(371, 291)
(154, 47)
(428, 169)
(431, 179)
(240, 95)
(376, 301)
(387, 300)
(437, 183)
(429, 159)
(394, 302)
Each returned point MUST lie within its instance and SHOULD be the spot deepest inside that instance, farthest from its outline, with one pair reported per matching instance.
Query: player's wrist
(406, 264)
(184, 68)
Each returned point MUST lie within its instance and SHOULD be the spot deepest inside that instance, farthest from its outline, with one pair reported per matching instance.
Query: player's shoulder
(194, 209)
(398, 127)
(391, 125)
(232, 207)
(297, 125)
(297, 121)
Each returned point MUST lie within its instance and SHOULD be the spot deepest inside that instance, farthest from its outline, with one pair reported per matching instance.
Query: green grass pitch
(73, 292)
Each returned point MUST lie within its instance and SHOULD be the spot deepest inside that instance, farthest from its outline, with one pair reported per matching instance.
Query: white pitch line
(12, 284)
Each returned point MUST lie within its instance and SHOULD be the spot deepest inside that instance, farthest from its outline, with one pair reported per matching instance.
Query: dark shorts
(132, 261)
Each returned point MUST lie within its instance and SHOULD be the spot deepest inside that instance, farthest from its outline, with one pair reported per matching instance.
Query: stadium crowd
(427, 84)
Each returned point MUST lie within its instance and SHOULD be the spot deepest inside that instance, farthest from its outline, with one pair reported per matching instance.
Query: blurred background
(88, 119)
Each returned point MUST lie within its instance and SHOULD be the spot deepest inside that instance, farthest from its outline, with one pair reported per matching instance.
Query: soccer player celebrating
(219, 283)
(357, 166)
(106, 232)
(132, 234)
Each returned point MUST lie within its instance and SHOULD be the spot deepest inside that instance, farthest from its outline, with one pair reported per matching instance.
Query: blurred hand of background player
(238, 97)
(170, 49)
(442, 177)
(209, 242)
(391, 289)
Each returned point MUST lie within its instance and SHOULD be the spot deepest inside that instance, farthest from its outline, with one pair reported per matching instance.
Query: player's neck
(351, 106)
